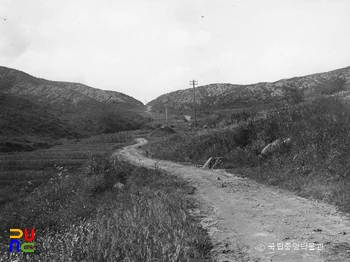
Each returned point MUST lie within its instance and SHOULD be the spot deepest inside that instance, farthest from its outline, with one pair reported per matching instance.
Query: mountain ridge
(228, 95)
(21, 83)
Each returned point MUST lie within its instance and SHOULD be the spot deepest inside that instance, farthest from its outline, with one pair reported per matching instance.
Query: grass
(316, 165)
(82, 217)
(22, 172)
(79, 215)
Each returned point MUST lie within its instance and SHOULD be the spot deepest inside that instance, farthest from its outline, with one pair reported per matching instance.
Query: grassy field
(315, 165)
(21, 172)
(68, 196)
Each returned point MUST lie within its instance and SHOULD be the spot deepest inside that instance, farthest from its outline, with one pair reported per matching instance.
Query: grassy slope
(93, 117)
(20, 117)
(79, 216)
(316, 165)
(22, 121)
(34, 110)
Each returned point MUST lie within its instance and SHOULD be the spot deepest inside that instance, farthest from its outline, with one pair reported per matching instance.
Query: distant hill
(54, 92)
(238, 96)
(31, 106)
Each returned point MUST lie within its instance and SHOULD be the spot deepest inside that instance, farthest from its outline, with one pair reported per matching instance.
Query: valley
(175, 131)
(72, 145)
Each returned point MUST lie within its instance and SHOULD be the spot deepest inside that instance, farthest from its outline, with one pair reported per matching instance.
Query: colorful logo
(17, 234)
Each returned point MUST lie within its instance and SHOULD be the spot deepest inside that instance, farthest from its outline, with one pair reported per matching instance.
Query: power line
(194, 83)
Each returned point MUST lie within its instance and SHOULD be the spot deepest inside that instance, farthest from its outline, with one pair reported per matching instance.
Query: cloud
(14, 40)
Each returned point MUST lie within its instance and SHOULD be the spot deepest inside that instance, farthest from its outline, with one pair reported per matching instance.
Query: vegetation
(80, 215)
(21, 172)
(85, 206)
(34, 112)
(331, 86)
(316, 165)
(26, 126)
(23, 119)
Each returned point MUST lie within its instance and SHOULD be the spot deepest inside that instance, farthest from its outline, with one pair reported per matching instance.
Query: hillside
(236, 96)
(41, 108)
(54, 92)
(22, 123)
(19, 116)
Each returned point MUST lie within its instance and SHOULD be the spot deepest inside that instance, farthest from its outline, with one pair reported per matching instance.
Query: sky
(145, 48)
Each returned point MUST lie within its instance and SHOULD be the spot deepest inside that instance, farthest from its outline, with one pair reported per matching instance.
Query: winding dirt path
(245, 218)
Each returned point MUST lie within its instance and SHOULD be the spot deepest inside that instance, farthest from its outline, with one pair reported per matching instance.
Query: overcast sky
(145, 48)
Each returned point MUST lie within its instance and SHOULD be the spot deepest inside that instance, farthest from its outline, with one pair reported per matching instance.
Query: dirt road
(245, 219)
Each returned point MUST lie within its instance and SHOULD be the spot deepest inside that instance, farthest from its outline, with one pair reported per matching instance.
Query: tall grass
(316, 164)
(83, 217)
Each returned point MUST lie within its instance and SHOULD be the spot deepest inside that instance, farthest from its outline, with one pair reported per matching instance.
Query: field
(68, 196)
(21, 172)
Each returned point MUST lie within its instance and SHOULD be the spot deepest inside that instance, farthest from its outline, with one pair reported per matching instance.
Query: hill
(19, 116)
(227, 95)
(54, 92)
(22, 123)
(41, 108)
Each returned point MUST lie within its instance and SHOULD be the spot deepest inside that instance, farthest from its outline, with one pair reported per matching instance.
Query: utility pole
(167, 100)
(166, 113)
(194, 83)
